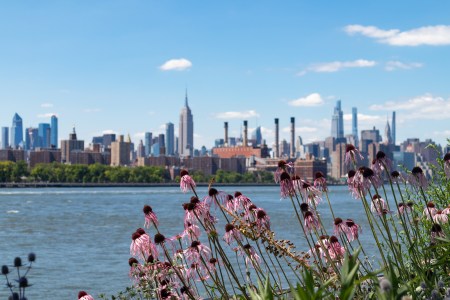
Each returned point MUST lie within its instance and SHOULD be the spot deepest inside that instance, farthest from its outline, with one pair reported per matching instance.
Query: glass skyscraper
(17, 132)
(44, 135)
(54, 131)
(337, 122)
(5, 137)
(170, 139)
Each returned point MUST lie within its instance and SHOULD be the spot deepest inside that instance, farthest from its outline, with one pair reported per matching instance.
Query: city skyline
(123, 68)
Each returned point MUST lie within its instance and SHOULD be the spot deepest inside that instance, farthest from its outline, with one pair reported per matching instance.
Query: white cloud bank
(336, 66)
(47, 115)
(237, 114)
(313, 99)
(421, 107)
(177, 64)
(428, 35)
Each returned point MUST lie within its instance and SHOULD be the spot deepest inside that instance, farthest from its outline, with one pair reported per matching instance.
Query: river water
(81, 236)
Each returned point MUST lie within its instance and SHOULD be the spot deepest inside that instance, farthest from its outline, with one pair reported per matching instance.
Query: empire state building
(186, 134)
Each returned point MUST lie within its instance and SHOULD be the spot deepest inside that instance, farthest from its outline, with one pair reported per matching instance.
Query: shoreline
(115, 185)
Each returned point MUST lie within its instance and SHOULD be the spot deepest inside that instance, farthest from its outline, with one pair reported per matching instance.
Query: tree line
(98, 173)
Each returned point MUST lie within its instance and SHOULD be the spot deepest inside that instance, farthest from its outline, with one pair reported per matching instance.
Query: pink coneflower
(378, 204)
(197, 271)
(141, 245)
(212, 265)
(231, 234)
(381, 163)
(335, 250)
(82, 295)
(430, 210)
(320, 182)
(396, 177)
(262, 219)
(352, 155)
(165, 293)
(250, 213)
(446, 210)
(150, 217)
(311, 222)
(193, 210)
(241, 201)
(341, 228)
(191, 231)
(436, 231)
(297, 182)
(186, 181)
(310, 194)
(286, 186)
(251, 257)
(230, 203)
(440, 217)
(213, 195)
(354, 229)
(283, 166)
(447, 164)
(417, 178)
(196, 251)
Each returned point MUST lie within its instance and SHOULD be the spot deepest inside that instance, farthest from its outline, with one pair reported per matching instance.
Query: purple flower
(283, 166)
(352, 155)
(82, 295)
(231, 234)
(381, 163)
(186, 181)
(150, 217)
(197, 250)
(354, 229)
(286, 186)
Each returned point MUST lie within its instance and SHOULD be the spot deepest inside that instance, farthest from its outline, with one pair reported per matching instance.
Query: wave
(12, 211)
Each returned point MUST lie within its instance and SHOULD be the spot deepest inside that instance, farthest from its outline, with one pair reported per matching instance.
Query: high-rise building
(141, 149)
(54, 132)
(257, 136)
(393, 127)
(120, 152)
(186, 134)
(170, 139)
(337, 122)
(17, 132)
(355, 125)
(387, 134)
(5, 137)
(31, 138)
(72, 144)
(292, 145)
(148, 143)
(44, 135)
(162, 144)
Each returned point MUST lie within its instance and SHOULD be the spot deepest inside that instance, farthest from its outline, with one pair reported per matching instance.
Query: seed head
(183, 172)
(431, 205)
(367, 173)
(150, 259)
(147, 209)
(194, 199)
(23, 282)
(133, 261)
(140, 231)
(381, 155)
(261, 214)
(304, 207)
(213, 260)
(82, 294)
(237, 194)
(195, 244)
(284, 176)
(447, 157)
(17, 262)
(5, 270)
(349, 148)
(212, 192)
(417, 171)
(337, 221)
(229, 227)
(159, 238)
(395, 174)
(135, 236)
(281, 164)
(31, 257)
(318, 175)
(351, 173)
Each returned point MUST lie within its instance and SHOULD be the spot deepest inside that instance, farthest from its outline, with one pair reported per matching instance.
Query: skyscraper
(337, 122)
(54, 132)
(72, 144)
(148, 143)
(170, 139)
(5, 137)
(31, 138)
(186, 133)
(393, 128)
(257, 136)
(355, 125)
(16, 132)
(44, 135)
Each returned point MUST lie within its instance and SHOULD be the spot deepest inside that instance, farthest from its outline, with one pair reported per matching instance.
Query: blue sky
(123, 66)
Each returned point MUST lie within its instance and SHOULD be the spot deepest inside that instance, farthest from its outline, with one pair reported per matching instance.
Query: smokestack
(226, 134)
(245, 134)
(292, 137)
(277, 143)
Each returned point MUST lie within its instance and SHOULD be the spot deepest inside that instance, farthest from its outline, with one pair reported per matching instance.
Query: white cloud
(395, 65)
(421, 107)
(444, 133)
(313, 99)
(179, 64)
(336, 66)
(109, 131)
(46, 105)
(47, 115)
(428, 35)
(237, 114)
